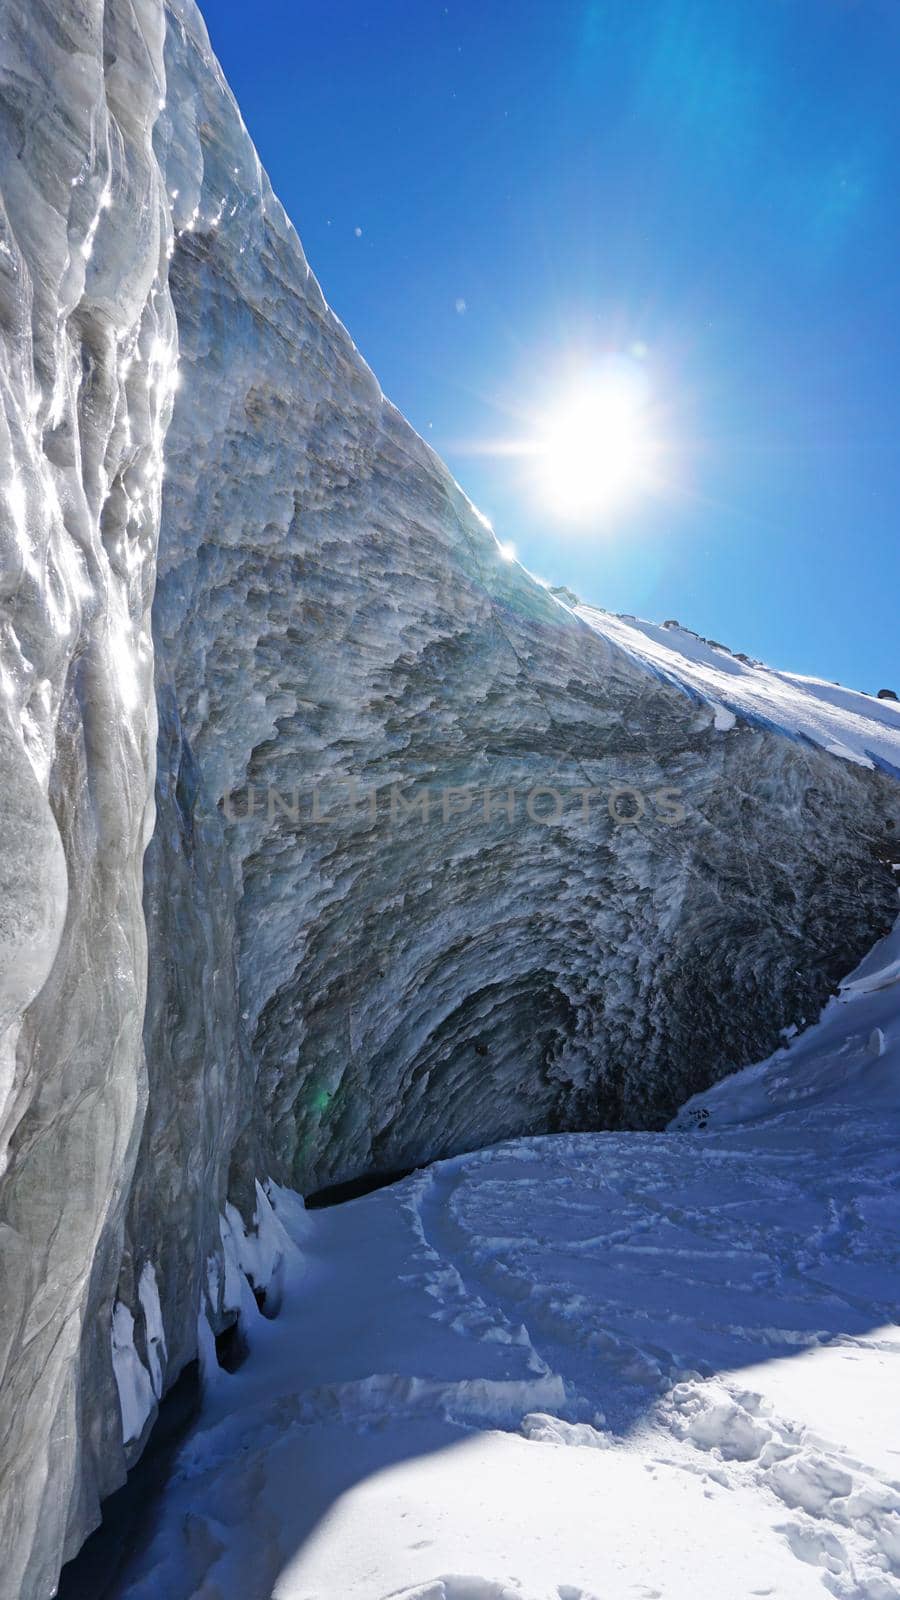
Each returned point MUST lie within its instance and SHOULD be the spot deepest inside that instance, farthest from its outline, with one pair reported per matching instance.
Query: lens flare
(594, 450)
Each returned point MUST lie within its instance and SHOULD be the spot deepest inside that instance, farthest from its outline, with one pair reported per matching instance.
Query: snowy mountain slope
(849, 1059)
(858, 727)
(582, 1367)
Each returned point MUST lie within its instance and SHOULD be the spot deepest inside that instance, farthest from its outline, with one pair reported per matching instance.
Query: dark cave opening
(334, 1194)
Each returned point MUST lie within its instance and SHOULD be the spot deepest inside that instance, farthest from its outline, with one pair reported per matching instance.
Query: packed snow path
(590, 1367)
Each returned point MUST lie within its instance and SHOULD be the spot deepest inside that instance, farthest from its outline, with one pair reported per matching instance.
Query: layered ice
(87, 365)
(582, 1366)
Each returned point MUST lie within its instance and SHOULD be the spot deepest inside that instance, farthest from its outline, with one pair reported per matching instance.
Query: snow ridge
(854, 726)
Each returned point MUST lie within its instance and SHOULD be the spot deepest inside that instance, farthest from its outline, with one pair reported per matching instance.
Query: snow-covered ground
(859, 727)
(584, 1367)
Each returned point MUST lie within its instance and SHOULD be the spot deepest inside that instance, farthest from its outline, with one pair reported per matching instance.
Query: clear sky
(706, 190)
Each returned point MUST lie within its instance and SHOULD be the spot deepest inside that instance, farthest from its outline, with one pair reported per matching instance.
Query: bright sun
(594, 450)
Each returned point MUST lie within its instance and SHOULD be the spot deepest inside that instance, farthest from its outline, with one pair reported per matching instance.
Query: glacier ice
(196, 996)
(429, 1400)
(88, 357)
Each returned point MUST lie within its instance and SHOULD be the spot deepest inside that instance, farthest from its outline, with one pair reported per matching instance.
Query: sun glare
(594, 450)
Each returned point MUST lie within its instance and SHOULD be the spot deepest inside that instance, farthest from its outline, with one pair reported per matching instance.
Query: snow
(579, 1367)
(136, 1396)
(148, 1294)
(849, 1059)
(855, 726)
(254, 1258)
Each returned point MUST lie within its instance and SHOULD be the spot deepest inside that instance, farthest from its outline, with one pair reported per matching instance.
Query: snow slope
(582, 1367)
(859, 727)
(848, 1064)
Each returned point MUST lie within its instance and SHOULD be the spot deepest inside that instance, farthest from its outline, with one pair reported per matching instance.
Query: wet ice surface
(582, 1366)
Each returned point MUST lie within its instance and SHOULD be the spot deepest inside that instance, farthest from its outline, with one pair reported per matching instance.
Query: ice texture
(583, 1365)
(87, 363)
(179, 409)
(331, 611)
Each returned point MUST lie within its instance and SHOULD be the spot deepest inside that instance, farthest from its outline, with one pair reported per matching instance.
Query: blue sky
(713, 183)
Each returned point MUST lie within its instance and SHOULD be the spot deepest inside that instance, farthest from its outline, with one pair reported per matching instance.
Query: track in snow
(584, 1367)
(589, 1365)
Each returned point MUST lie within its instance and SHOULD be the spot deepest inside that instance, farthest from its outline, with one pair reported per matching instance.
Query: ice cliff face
(437, 859)
(88, 357)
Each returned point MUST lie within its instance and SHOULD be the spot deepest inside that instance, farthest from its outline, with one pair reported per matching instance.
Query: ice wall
(336, 619)
(87, 361)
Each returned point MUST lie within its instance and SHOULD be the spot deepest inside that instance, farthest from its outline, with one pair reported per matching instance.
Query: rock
(887, 694)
